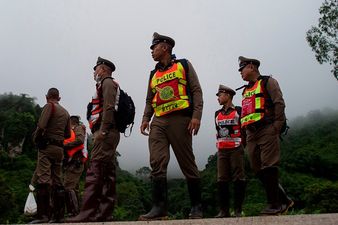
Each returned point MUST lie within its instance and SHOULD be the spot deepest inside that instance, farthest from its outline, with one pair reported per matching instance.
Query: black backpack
(125, 112)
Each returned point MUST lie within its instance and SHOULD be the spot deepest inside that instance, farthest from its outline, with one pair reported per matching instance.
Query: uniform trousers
(71, 175)
(230, 164)
(49, 165)
(263, 147)
(171, 130)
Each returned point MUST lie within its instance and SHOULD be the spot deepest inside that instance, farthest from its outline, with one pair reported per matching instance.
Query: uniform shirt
(109, 90)
(276, 95)
(54, 122)
(195, 92)
(79, 137)
(272, 87)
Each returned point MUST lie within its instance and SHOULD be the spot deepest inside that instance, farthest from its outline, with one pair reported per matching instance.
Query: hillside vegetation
(308, 169)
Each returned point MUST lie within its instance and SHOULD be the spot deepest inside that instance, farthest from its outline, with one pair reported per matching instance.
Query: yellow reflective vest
(253, 104)
(170, 88)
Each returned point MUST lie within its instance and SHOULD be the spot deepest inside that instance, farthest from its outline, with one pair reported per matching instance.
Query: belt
(256, 126)
(55, 142)
(96, 128)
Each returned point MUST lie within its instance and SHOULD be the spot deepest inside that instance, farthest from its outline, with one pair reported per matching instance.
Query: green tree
(322, 197)
(18, 115)
(143, 173)
(6, 202)
(323, 38)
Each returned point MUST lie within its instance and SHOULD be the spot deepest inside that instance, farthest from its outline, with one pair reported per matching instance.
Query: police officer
(230, 155)
(263, 117)
(52, 128)
(174, 97)
(100, 187)
(74, 164)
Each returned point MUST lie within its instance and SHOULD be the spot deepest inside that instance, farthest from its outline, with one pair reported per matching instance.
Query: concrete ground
(309, 219)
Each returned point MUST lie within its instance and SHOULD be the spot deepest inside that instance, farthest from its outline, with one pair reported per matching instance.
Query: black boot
(285, 200)
(42, 200)
(239, 195)
(224, 199)
(108, 197)
(159, 210)
(72, 203)
(269, 178)
(92, 194)
(194, 188)
(58, 205)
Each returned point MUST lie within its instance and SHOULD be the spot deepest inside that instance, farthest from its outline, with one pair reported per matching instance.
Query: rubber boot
(269, 177)
(159, 209)
(58, 205)
(42, 200)
(92, 194)
(51, 202)
(239, 195)
(72, 203)
(224, 199)
(194, 189)
(108, 197)
(285, 199)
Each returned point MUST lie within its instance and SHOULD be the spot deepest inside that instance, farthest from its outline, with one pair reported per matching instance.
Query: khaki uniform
(175, 105)
(262, 137)
(105, 150)
(230, 162)
(263, 142)
(171, 130)
(54, 123)
(73, 167)
(230, 159)
(100, 187)
(53, 127)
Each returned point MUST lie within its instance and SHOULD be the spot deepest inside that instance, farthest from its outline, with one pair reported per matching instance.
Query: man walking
(263, 117)
(100, 187)
(174, 97)
(73, 164)
(230, 155)
(53, 127)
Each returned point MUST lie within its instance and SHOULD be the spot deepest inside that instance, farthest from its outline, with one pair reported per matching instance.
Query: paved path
(313, 219)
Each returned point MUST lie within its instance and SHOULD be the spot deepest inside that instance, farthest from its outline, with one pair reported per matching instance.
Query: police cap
(243, 61)
(157, 38)
(224, 89)
(106, 62)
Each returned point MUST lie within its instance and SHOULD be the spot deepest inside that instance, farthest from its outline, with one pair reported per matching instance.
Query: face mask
(97, 78)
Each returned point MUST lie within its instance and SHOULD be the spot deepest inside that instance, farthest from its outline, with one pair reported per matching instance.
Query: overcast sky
(56, 43)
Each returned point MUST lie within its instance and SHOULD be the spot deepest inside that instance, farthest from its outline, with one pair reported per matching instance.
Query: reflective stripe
(171, 107)
(228, 143)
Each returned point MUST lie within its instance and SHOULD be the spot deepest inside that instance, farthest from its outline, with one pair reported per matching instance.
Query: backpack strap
(185, 65)
(239, 110)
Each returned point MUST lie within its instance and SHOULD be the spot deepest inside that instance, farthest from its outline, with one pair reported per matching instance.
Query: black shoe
(223, 213)
(157, 212)
(41, 220)
(273, 210)
(196, 212)
(238, 213)
(287, 205)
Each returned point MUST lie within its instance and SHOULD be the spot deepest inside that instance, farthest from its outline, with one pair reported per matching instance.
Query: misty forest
(309, 168)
